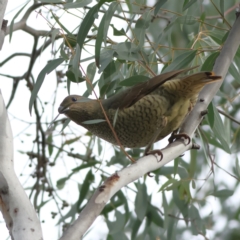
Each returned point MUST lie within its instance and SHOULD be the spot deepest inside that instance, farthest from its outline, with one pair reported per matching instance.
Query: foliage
(103, 57)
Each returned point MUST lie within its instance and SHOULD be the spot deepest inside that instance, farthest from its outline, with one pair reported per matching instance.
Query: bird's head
(80, 109)
(72, 102)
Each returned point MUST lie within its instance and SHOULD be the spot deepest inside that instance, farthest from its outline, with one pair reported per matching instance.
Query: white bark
(3, 5)
(19, 214)
(150, 163)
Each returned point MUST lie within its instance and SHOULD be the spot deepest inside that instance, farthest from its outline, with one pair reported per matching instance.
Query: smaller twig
(226, 171)
(228, 116)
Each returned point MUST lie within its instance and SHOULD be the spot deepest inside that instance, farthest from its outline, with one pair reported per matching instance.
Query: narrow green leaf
(176, 161)
(234, 72)
(193, 184)
(209, 62)
(181, 61)
(91, 70)
(85, 165)
(86, 25)
(169, 184)
(49, 142)
(222, 7)
(99, 40)
(237, 167)
(12, 22)
(60, 24)
(198, 222)
(210, 115)
(95, 121)
(77, 4)
(85, 187)
(203, 16)
(170, 228)
(181, 204)
(193, 163)
(65, 124)
(224, 193)
(61, 182)
(71, 141)
(154, 216)
(75, 64)
(127, 51)
(203, 145)
(72, 77)
(158, 5)
(220, 131)
(99, 146)
(51, 65)
(141, 201)
(117, 226)
(188, 4)
(115, 117)
(54, 32)
(117, 32)
(134, 230)
(133, 80)
(105, 58)
(141, 26)
(235, 148)
(103, 30)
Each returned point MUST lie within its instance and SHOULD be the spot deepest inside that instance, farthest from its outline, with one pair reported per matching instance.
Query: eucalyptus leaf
(133, 80)
(77, 4)
(181, 61)
(187, 4)
(224, 193)
(95, 121)
(50, 66)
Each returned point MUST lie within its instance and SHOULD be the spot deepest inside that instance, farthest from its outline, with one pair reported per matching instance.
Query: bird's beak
(62, 109)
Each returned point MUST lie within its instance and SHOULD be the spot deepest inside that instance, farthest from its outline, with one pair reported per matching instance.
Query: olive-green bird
(142, 114)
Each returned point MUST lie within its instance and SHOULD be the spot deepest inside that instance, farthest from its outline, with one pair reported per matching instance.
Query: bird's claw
(158, 152)
(149, 174)
(175, 136)
(195, 146)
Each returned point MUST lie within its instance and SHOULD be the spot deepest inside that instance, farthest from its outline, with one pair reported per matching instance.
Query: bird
(142, 114)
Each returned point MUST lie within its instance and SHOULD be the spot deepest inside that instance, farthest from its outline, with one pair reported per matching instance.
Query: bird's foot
(176, 136)
(158, 152)
(153, 152)
(149, 174)
(195, 146)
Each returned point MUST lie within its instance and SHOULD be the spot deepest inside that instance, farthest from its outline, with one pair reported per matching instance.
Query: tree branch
(18, 212)
(3, 23)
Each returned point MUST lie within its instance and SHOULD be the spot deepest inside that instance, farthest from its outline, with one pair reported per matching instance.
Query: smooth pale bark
(18, 212)
(3, 5)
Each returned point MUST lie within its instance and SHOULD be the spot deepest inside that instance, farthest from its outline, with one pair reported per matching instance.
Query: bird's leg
(176, 136)
(160, 126)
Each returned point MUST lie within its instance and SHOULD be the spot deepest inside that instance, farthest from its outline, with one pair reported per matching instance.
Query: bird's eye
(74, 99)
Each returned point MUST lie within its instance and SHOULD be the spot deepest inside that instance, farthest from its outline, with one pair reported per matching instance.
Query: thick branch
(18, 212)
(3, 23)
(150, 163)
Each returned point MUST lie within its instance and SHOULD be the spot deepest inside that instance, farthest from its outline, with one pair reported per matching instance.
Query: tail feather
(201, 78)
(190, 85)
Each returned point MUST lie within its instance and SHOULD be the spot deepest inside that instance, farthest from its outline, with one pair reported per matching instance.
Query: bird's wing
(128, 97)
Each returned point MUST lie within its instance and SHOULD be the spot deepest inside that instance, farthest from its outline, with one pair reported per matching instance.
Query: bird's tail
(192, 84)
